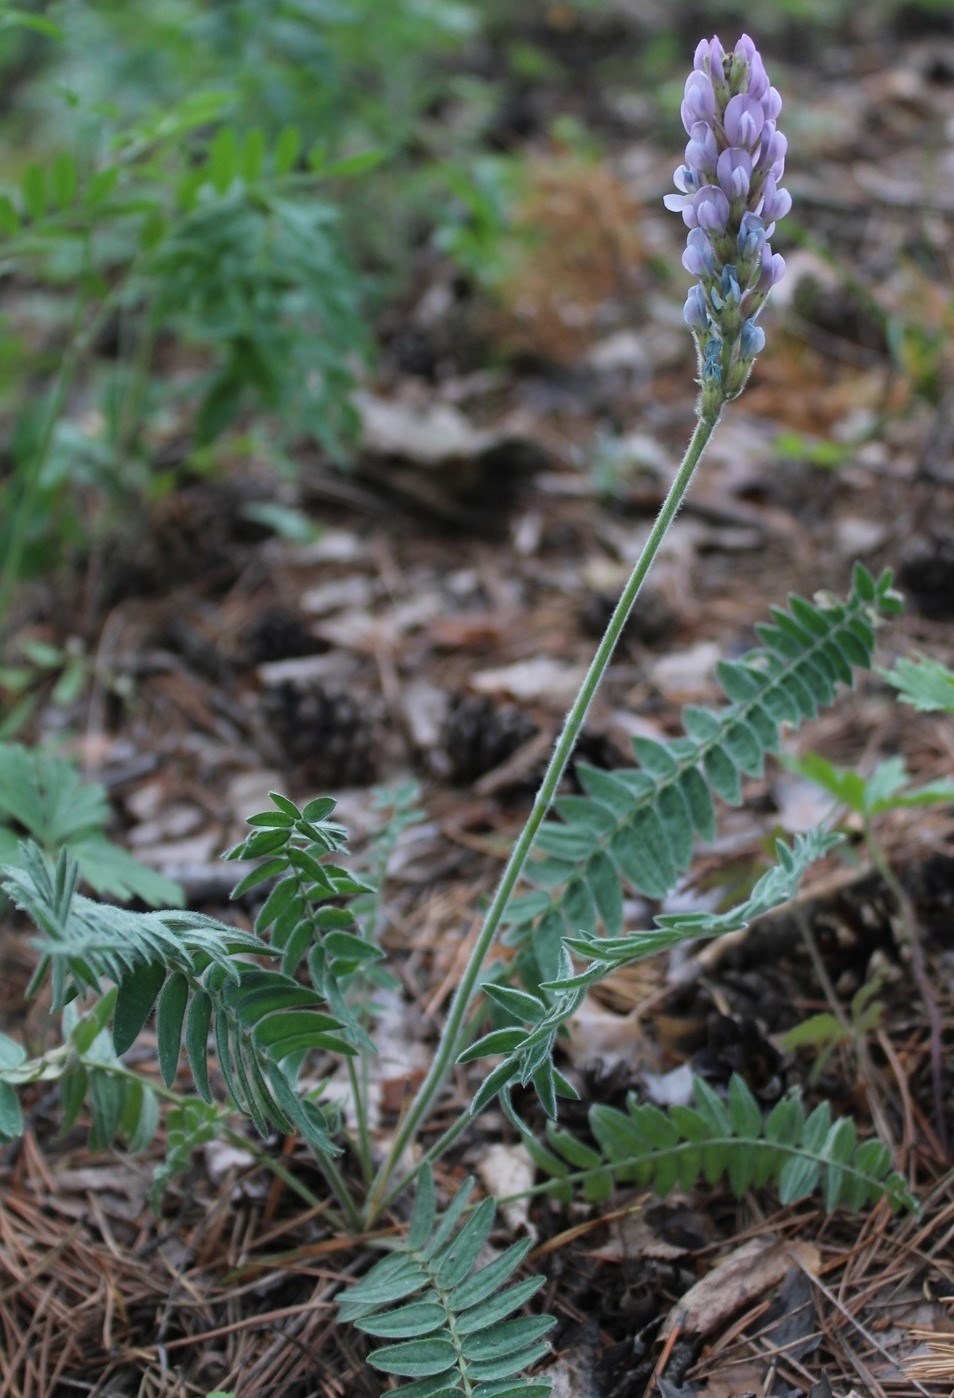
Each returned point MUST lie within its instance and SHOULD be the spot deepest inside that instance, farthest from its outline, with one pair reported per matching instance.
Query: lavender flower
(730, 199)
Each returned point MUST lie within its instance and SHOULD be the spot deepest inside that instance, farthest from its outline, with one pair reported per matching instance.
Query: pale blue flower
(752, 339)
(696, 311)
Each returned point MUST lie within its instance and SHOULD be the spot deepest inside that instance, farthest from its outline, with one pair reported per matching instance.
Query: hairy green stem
(454, 1033)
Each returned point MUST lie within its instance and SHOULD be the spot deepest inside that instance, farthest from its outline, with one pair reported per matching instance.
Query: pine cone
(478, 735)
(927, 573)
(331, 737)
(277, 633)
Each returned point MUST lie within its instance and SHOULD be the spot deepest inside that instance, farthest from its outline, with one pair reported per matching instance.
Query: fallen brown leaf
(738, 1280)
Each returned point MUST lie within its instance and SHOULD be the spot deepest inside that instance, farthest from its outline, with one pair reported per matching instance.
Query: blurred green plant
(823, 453)
(43, 798)
(476, 227)
(188, 230)
(347, 72)
(888, 788)
(58, 673)
(179, 262)
(923, 683)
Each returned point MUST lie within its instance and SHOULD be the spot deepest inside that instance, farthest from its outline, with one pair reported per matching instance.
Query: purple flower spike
(753, 339)
(730, 199)
(751, 239)
(710, 58)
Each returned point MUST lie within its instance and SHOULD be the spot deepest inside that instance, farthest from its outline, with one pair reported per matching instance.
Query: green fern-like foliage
(316, 911)
(193, 973)
(777, 885)
(44, 797)
(716, 1139)
(189, 969)
(398, 807)
(451, 1323)
(528, 1051)
(635, 828)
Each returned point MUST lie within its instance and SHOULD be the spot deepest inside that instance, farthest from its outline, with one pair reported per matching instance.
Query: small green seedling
(924, 684)
(826, 1032)
(887, 789)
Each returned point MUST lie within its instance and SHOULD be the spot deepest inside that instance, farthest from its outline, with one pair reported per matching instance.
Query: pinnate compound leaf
(193, 969)
(528, 1389)
(318, 810)
(503, 1304)
(798, 1178)
(743, 1109)
(198, 1024)
(254, 877)
(517, 1002)
(459, 1257)
(276, 903)
(488, 1370)
(11, 1053)
(435, 1387)
(497, 1041)
(140, 1118)
(425, 1210)
(500, 1077)
(507, 1338)
(397, 1276)
(718, 1139)
(776, 886)
(635, 828)
(106, 1102)
(416, 1358)
(73, 1085)
(448, 1222)
(455, 1326)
